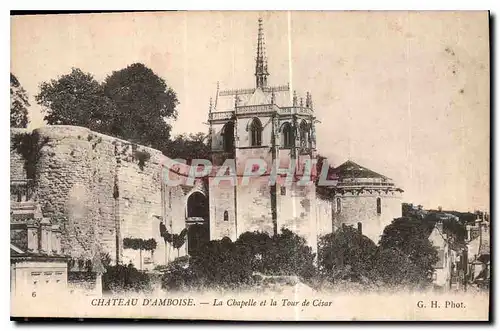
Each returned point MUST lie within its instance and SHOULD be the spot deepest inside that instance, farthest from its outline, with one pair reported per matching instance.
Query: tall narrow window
(379, 206)
(360, 228)
(339, 205)
(226, 216)
(228, 137)
(256, 133)
(304, 134)
(286, 135)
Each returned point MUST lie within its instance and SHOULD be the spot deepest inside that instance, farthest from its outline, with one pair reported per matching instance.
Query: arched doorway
(197, 221)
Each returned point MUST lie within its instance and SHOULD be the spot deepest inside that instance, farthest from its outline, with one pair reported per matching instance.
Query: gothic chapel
(269, 123)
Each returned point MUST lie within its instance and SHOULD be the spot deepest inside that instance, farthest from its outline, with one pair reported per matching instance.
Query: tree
(259, 245)
(222, 263)
(346, 254)
(140, 245)
(143, 102)
(394, 268)
(120, 278)
(176, 240)
(18, 104)
(410, 236)
(188, 147)
(76, 99)
(285, 253)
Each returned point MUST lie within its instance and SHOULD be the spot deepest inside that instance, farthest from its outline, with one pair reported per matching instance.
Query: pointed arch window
(304, 134)
(286, 135)
(228, 137)
(379, 206)
(226, 216)
(256, 132)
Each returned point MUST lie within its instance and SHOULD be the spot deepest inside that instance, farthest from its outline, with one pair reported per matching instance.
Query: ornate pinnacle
(261, 60)
(294, 98)
(210, 105)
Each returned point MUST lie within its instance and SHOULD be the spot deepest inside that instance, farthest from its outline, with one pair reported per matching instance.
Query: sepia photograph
(250, 165)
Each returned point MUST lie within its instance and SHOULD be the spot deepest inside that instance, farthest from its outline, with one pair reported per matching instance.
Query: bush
(122, 278)
(179, 275)
(223, 263)
(282, 254)
(227, 264)
(346, 255)
(393, 268)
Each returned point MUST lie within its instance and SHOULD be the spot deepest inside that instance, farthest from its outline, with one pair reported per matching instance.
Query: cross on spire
(261, 60)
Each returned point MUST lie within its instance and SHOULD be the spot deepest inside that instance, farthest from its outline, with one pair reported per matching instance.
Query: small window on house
(339, 205)
(226, 216)
(360, 227)
(283, 190)
(379, 206)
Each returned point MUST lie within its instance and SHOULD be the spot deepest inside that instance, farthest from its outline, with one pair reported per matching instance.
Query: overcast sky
(405, 94)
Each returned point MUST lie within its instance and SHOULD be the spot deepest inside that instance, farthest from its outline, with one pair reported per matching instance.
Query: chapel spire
(261, 60)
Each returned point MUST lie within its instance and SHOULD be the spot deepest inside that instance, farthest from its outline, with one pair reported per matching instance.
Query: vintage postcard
(251, 166)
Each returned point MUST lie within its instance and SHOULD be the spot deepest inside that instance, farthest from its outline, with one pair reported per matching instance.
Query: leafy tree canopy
(132, 104)
(285, 253)
(410, 236)
(18, 104)
(76, 99)
(188, 147)
(143, 102)
(346, 254)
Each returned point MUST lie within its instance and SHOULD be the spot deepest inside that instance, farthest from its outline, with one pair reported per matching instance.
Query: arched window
(226, 216)
(379, 206)
(256, 132)
(339, 205)
(286, 135)
(304, 134)
(228, 137)
(360, 227)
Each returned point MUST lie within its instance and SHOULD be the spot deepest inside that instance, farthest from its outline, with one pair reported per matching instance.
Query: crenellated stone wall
(101, 189)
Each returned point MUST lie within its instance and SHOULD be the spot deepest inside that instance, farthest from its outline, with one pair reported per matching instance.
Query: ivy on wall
(29, 146)
(142, 157)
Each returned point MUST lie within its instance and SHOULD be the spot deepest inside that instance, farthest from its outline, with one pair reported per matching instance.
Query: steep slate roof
(251, 97)
(350, 169)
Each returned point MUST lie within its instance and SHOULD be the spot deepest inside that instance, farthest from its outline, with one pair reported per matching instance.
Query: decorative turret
(261, 60)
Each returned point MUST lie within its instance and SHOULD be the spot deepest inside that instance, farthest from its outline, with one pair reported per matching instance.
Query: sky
(405, 94)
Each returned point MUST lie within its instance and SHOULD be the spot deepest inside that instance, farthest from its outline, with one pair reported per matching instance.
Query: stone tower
(365, 199)
(276, 127)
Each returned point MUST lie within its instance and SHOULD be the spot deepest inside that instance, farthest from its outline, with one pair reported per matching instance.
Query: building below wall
(37, 265)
